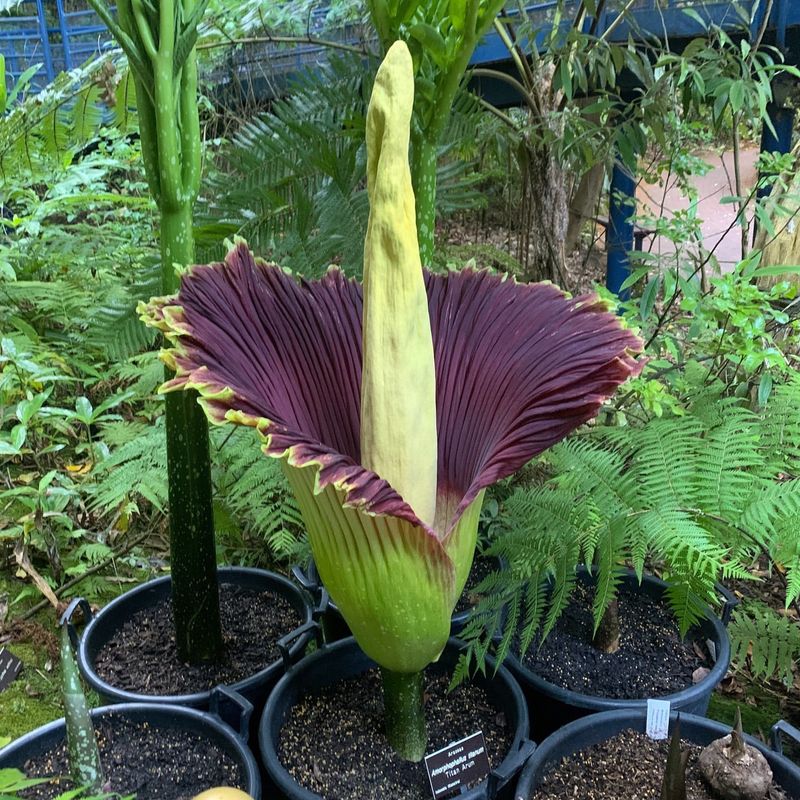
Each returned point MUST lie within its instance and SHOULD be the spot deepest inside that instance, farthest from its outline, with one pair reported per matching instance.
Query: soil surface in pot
(333, 743)
(481, 567)
(152, 762)
(652, 659)
(142, 656)
(628, 767)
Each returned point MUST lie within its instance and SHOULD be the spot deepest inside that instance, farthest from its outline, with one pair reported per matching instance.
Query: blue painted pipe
(619, 236)
(65, 42)
(779, 141)
(48, 61)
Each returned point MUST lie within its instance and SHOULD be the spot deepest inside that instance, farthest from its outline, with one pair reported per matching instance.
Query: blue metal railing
(41, 32)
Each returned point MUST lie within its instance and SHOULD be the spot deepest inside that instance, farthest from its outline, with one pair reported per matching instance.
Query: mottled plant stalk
(404, 713)
(84, 756)
(159, 41)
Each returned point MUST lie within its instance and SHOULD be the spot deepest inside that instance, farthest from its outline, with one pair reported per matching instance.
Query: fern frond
(587, 467)
(771, 641)
(137, 469)
(686, 602)
(780, 427)
(727, 464)
(767, 511)
(256, 491)
(86, 114)
(663, 479)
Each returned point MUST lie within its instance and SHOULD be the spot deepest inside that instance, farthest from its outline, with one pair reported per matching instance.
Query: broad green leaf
(431, 40)
(764, 389)
(649, 296)
(83, 410)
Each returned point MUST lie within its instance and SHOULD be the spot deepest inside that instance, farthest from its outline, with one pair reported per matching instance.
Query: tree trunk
(544, 215)
(784, 247)
(606, 637)
(583, 204)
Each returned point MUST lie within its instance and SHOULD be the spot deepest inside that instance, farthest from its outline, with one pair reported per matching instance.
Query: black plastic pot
(598, 728)
(556, 706)
(333, 624)
(227, 709)
(104, 626)
(345, 659)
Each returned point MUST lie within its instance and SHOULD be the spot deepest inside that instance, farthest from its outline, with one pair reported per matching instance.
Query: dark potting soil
(142, 656)
(652, 659)
(628, 767)
(152, 762)
(481, 567)
(333, 742)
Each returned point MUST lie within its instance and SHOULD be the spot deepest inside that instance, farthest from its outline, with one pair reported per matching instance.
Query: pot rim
(268, 747)
(248, 762)
(601, 703)
(625, 719)
(192, 699)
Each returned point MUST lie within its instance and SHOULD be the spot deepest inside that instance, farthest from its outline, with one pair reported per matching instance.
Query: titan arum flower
(394, 405)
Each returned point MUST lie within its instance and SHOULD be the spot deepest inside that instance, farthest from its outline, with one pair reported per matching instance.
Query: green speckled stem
(84, 757)
(195, 595)
(423, 165)
(404, 711)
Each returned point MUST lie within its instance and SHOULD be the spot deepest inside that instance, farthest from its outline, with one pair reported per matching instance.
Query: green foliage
(253, 488)
(770, 641)
(136, 470)
(51, 127)
(292, 182)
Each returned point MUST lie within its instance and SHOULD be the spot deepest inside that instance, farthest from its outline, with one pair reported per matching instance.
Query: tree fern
(701, 494)
(771, 641)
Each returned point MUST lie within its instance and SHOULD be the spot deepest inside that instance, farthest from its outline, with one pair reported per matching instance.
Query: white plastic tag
(658, 719)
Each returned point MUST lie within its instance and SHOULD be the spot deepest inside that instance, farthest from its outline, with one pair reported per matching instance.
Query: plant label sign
(458, 764)
(10, 667)
(658, 719)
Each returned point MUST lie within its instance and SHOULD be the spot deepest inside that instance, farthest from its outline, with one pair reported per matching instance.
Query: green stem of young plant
(404, 712)
(83, 754)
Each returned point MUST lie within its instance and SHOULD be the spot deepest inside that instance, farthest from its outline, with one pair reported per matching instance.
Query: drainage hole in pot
(628, 767)
(141, 657)
(652, 658)
(151, 761)
(332, 742)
